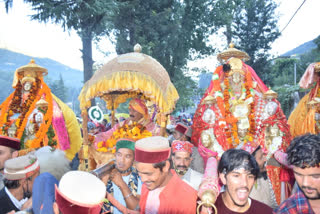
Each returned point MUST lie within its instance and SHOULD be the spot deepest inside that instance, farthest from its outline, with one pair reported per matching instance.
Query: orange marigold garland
(224, 106)
(4, 114)
(134, 131)
(228, 114)
(13, 105)
(29, 106)
(47, 120)
(10, 106)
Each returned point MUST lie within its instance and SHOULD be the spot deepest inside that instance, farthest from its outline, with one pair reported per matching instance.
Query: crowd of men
(154, 175)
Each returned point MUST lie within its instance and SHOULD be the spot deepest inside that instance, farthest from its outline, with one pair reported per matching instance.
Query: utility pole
(295, 73)
(295, 57)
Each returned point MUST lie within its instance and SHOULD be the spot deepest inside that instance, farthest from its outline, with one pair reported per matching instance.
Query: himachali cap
(181, 146)
(183, 129)
(250, 146)
(21, 167)
(152, 150)
(10, 142)
(80, 192)
(125, 143)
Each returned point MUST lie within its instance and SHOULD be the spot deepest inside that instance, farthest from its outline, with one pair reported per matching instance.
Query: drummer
(138, 112)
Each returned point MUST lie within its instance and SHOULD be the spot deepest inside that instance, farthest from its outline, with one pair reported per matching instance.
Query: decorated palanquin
(134, 76)
(305, 118)
(37, 117)
(239, 111)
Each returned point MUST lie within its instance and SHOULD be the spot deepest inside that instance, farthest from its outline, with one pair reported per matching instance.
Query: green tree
(252, 26)
(171, 31)
(224, 13)
(59, 89)
(317, 41)
(282, 72)
(254, 30)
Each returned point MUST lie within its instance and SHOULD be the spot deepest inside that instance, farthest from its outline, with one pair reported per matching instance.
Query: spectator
(304, 157)
(19, 175)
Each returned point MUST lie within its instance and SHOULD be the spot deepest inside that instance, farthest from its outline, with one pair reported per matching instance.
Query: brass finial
(270, 94)
(313, 103)
(137, 48)
(42, 103)
(231, 45)
(209, 100)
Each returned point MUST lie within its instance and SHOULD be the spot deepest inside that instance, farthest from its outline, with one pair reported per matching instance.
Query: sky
(18, 33)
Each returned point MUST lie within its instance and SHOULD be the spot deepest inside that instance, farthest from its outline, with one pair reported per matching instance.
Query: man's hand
(104, 178)
(116, 177)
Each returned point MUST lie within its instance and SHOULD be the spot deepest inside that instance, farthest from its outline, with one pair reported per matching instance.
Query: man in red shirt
(238, 171)
(162, 190)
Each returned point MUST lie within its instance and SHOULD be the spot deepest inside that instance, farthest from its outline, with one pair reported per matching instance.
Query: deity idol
(35, 116)
(239, 105)
(305, 118)
(275, 132)
(237, 117)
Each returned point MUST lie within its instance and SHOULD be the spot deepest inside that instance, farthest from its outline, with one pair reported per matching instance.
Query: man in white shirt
(181, 159)
(124, 182)
(19, 176)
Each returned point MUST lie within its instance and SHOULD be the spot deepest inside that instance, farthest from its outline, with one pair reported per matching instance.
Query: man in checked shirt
(304, 157)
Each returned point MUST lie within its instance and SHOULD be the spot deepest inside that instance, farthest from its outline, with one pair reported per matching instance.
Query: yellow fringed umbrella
(131, 75)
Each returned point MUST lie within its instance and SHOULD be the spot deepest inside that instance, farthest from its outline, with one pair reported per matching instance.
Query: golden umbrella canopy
(131, 75)
(232, 52)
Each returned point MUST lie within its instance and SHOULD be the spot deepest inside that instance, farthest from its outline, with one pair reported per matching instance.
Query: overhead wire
(293, 16)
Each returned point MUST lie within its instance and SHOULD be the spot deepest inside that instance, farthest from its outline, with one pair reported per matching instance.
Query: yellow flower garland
(134, 131)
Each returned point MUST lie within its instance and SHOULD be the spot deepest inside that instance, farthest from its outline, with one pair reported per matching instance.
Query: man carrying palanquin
(162, 190)
(123, 182)
(35, 116)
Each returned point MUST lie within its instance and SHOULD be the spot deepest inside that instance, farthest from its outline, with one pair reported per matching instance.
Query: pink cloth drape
(308, 78)
(60, 127)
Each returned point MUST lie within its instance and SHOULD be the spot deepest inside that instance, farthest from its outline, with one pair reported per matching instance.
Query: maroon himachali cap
(152, 150)
(10, 142)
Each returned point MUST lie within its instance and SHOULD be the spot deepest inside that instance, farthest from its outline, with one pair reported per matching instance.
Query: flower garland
(28, 107)
(47, 120)
(13, 105)
(224, 106)
(3, 120)
(10, 106)
(134, 131)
